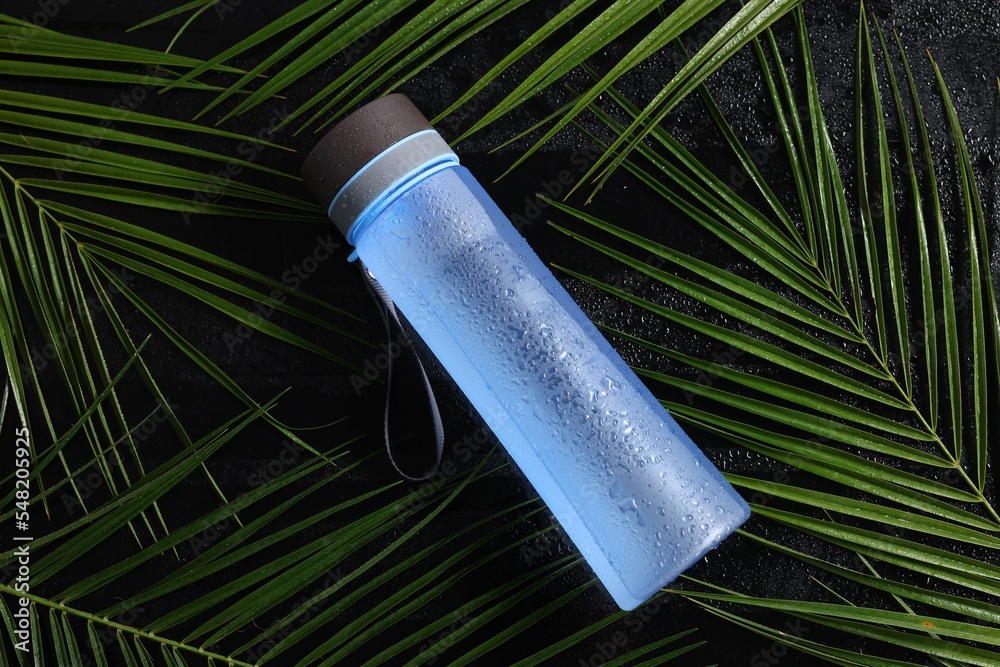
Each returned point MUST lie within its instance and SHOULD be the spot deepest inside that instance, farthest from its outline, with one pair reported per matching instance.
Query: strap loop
(406, 359)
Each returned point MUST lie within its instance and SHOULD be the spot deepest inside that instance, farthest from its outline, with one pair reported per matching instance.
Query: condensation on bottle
(632, 491)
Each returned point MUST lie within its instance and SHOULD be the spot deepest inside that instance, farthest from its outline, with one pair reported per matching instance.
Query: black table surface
(964, 37)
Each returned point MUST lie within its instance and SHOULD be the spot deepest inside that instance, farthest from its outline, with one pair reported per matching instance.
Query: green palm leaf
(875, 500)
(330, 27)
(828, 317)
(76, 247)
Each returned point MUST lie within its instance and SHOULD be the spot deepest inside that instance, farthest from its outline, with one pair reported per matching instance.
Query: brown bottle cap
(355, 140)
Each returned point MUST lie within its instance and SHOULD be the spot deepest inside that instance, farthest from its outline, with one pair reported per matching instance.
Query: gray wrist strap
(409, 360)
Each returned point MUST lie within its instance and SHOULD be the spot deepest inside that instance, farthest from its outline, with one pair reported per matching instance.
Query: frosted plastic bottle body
(636, 496)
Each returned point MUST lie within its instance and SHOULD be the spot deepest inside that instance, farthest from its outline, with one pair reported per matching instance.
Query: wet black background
(963, 36)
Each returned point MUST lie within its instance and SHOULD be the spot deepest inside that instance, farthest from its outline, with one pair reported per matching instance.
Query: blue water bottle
(631, 490)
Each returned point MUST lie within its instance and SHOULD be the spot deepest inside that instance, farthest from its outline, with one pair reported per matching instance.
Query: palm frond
(852, 372)
(888, 505)
(66, 267)
(328, 28)
(24, 38)
(97, 237)
(361, 599)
